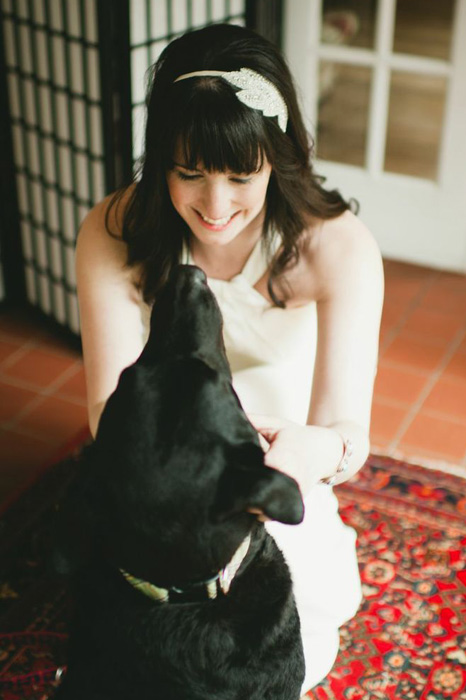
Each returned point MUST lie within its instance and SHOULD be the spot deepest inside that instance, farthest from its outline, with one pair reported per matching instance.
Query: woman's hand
(277, 437)
(307, 453)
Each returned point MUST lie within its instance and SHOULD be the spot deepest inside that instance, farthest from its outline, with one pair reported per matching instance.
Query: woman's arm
(345, 267)
(109, 309)
(348, 311)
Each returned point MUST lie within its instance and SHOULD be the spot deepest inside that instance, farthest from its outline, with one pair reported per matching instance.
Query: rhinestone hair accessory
(255, 91)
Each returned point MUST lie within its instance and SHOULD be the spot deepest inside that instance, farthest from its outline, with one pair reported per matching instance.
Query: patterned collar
(223, 579)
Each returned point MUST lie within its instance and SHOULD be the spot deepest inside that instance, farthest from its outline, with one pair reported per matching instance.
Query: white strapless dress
(271, 353)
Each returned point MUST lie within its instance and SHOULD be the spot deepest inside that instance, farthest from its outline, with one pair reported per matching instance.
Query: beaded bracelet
(342, 465)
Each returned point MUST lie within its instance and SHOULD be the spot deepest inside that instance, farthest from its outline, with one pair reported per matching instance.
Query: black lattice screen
(65, 94)
(153, 26)
(52, 65)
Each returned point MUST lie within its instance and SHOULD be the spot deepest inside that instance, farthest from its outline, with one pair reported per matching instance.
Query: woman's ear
(263, 488)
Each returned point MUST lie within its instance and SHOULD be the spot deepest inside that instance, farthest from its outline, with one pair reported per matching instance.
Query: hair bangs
(216, 131)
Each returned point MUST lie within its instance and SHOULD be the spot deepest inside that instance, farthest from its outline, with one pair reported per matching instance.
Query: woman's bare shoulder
(337, 250)
(106, 217)
(100, 247)
(333, 237)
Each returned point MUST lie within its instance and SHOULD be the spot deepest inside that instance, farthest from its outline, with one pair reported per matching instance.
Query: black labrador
(180, 592)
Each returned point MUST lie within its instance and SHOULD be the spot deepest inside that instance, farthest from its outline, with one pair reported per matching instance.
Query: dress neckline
(255, 266)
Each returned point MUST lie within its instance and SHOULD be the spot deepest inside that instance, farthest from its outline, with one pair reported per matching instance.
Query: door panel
(383, 87)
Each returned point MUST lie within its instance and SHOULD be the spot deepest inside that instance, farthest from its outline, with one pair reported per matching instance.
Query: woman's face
(217, 206)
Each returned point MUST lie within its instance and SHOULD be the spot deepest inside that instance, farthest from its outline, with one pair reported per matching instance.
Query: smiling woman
(219, 207)
(226, 184)
(195, 119)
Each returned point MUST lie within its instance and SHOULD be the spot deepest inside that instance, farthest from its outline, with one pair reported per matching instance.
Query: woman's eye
(241, 180)
(187, 177)
(184, 176)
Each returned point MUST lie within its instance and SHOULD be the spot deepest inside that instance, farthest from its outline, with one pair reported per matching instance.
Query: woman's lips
(220, 225)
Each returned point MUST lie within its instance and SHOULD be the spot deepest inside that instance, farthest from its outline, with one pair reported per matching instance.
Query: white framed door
(389, 118)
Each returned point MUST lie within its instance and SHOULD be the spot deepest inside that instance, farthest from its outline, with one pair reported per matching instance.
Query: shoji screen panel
(52, 63)
(153, 24)
(2, 287)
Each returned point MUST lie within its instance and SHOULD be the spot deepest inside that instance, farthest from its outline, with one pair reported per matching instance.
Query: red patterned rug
(408, 641)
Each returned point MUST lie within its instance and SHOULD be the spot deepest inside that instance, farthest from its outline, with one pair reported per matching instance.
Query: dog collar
(223, 579)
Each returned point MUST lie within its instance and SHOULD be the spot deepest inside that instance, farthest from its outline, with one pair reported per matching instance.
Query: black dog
(180, 592)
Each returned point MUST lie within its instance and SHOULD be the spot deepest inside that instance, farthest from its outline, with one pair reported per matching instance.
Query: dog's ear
(258, 487)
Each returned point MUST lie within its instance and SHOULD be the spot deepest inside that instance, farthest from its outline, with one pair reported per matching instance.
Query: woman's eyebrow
(181, 165)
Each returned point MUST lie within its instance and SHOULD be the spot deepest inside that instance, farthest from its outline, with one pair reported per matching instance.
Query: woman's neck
(225, 261)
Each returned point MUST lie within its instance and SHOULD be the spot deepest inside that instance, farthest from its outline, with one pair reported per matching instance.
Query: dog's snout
(186, 318)
(190, 285)
(189, 275)
(198, 275)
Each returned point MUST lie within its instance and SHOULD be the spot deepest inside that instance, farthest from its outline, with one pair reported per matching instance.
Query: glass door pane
(343, 112)
(424, 27)
(351, 22)
(415, 121)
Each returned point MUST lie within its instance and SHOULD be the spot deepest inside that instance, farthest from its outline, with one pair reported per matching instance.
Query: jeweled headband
(256, 91)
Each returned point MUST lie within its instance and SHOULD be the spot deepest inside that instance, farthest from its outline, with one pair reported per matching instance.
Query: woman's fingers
(271, 430)
(268, 426)
(264, 442)
(260, 515)
(279, 457)
(265, 422)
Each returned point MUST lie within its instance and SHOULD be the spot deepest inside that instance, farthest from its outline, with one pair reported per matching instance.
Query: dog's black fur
(164, 493)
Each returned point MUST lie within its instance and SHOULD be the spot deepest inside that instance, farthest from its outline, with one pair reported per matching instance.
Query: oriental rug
(407, 642)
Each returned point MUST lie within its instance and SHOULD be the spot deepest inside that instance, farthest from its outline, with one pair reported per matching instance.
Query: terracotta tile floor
(419, 409)
(42, 399)
(420, 393)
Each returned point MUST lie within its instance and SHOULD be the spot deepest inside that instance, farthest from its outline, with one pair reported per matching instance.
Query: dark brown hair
(215, 129)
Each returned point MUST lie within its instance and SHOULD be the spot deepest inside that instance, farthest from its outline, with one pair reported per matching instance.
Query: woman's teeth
(216, 222)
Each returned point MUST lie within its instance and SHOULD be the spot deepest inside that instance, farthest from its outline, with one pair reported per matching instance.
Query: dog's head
(176, 464)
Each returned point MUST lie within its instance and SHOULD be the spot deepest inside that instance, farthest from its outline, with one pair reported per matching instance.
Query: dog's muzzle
(222, 581)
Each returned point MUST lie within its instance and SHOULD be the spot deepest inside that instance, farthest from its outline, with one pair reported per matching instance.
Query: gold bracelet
(343, 464)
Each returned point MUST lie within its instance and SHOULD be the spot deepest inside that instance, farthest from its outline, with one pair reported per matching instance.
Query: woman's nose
(216, 200)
